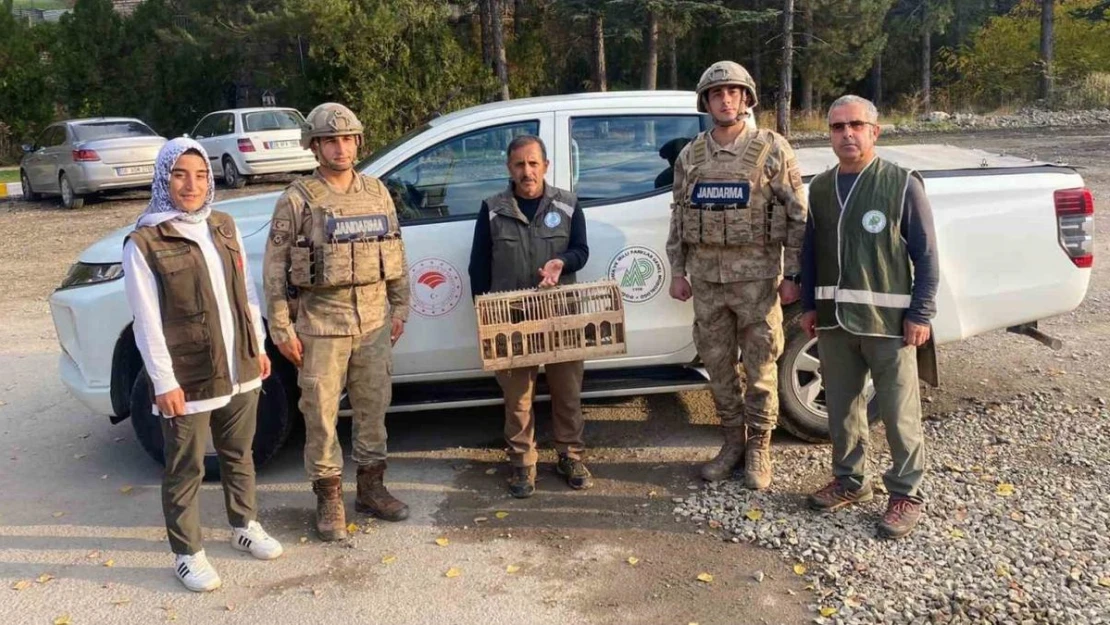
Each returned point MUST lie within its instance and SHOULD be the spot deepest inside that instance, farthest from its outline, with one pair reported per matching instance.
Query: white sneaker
(255, 540)
(196, 573)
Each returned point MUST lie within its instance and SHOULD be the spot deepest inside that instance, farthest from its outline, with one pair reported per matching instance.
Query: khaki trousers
(185, 439)
(564, 379)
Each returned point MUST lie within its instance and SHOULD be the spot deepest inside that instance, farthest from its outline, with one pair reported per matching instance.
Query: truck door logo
(639, 271)
(436, 287)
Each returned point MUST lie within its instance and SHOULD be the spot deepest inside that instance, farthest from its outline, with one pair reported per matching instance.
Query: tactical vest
(521, 247)
(726, 199)
(190, 313)
(345, 239)
(864, 284)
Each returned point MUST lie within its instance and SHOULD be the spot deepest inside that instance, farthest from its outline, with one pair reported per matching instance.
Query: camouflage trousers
(365, 364)
(729, 318)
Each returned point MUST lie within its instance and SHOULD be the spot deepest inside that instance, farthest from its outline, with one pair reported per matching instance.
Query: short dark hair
(522, 140)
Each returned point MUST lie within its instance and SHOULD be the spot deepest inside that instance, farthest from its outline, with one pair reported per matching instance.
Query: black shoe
(522, 483)
(578, 476)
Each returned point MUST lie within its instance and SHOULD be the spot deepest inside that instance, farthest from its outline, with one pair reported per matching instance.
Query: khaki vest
(521, 247)
(190, 314)
(864, 283)
(346, 239)
(725, 201)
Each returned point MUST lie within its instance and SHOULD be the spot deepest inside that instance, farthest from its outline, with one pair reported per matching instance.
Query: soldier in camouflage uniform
(738, 217)
(338, 294)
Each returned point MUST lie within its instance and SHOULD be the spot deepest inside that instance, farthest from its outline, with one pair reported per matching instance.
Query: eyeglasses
(855, 124)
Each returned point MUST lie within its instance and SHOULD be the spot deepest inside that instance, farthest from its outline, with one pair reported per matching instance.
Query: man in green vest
(737, 223)
(869, 280)
(534, 235)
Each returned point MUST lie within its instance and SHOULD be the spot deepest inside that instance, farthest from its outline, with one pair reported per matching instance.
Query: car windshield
(111, 130)
(387, 148)
(272, 120)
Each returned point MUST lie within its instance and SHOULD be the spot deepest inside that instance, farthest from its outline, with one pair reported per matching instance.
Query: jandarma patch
(706, 193)
(342, 229)
(552, 220)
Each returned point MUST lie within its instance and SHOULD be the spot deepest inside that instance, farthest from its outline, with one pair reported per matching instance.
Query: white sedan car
(1013, 234)
(253, 141)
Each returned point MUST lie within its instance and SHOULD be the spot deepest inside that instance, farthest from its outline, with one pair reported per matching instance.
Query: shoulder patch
(699, 150)
(311, 189)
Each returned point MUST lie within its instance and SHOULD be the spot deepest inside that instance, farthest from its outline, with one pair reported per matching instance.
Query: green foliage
(26, 102)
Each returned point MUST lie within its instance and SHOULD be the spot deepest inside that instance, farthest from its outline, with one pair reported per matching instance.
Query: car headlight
(84, 274)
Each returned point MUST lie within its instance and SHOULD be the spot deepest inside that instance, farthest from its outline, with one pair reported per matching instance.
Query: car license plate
(131, 171)
(281, 145)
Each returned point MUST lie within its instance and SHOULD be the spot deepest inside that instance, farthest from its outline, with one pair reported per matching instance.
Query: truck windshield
(387, 148)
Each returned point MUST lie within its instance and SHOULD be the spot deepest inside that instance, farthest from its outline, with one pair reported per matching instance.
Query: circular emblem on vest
(640, 273)
(436, 287)
(552, 219)
(874, 222)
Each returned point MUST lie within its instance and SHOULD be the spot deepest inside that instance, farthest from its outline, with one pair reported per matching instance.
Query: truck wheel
(801, 388)
(272, 430)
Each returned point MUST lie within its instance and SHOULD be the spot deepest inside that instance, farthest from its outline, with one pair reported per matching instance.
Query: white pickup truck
(1014, 237)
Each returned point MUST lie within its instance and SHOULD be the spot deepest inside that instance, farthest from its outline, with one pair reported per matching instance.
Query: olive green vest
(190, 314)
(864, 283)
(520, 247)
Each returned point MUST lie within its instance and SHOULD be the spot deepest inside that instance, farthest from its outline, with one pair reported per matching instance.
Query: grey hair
(844, 100)
(523, 140)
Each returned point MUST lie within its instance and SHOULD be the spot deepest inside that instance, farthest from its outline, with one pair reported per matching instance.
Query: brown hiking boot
(331, 519)
(373, 498)
(901, 516)
(728, 458)
(522, 482)
(757, 459)
(834, 496)
(578, 476)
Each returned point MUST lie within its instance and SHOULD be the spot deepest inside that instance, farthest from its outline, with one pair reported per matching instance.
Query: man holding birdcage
(534, 235)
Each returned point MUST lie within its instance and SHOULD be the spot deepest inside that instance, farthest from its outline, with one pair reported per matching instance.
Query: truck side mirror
(28, 148)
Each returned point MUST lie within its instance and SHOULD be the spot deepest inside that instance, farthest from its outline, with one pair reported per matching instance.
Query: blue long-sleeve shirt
(921, 244)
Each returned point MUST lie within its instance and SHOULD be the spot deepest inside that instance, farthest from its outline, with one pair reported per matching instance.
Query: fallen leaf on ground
(512, 568)
(58, 515)
(852, 603)
(754, 514)
(110, 563)
(705, 577)
(827, 612)
(22, 584)
(453, 572)
(491, 471)
(93, 554)
(501, 514)
(63, 620)
(316, 592)
(79, 456)
(351, 528)
(480, 519)
(230, 607)
(1005, 490)
(126, 489)
(118, 602)
(304, 539)
(45, 577)
(1002, 570)
(442, 542)
(1104, 581)
(957, 533)
(799, 569)
(389, 559)
(633, 560)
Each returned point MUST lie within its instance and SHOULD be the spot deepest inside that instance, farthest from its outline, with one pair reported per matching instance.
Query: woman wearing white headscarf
(199, 330)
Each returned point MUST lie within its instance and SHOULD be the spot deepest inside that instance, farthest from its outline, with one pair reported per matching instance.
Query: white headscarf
(161, 207)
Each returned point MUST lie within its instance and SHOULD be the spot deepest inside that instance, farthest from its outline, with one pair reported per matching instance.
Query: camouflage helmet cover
(725, 73)
(330, 120)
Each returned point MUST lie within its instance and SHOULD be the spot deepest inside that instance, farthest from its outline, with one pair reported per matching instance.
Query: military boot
(331, 519)
(730, 456)
(757, 460)
(373, 498)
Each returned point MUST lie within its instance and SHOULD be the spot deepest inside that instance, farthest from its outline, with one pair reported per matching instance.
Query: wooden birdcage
(542, 326)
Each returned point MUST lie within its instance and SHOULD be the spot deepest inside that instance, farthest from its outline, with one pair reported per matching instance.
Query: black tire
(70, 198)
(804, 419)
(274, 424)
(232, 178)
(28, 193)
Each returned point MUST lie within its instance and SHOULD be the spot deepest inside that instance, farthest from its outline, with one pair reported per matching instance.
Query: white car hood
(250, 213)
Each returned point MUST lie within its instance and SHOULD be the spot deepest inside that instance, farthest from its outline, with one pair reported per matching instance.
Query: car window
(451, 179)
(225, 125)
(111, 130)
(205, 127)
(262, 121)
(619, 156)
(57, 136)
(44, 138)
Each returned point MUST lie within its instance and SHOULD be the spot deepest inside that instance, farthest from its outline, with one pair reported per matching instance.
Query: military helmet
(330, 120)
(725, 73)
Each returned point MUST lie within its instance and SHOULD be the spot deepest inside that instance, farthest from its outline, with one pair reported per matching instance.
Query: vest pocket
(178, 273)
(393, 258)
(691, 225)
(300, 266)
(713, 227)
(336, 261)
(368, 264)
(738, 226)
(190, 346)
(776, 226)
